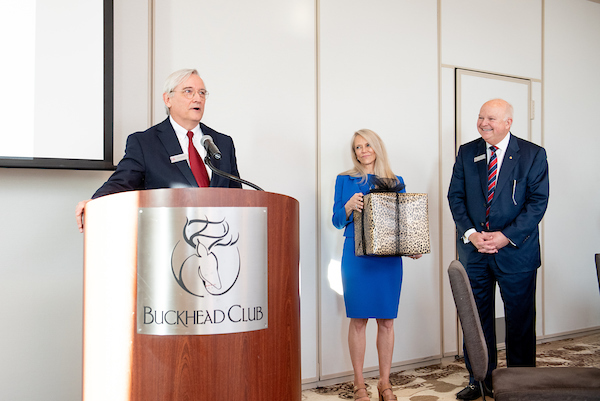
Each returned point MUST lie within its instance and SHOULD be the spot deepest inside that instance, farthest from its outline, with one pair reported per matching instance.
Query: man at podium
(170, 154)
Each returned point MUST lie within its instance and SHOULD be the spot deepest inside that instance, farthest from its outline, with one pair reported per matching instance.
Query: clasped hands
(488, 242)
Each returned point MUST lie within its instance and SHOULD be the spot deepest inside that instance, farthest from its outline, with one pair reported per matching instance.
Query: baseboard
(568, 334)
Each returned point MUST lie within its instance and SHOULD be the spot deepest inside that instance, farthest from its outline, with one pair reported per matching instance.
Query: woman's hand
(355, 203)
(415, 256)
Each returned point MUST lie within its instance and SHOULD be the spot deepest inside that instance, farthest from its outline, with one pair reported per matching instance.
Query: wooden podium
(119, 363)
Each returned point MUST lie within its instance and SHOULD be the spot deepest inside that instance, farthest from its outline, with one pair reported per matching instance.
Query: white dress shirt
(500, 152)
(184, 141)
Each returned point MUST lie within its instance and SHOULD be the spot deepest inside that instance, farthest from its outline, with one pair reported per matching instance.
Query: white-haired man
(498, 195)
(169, 154)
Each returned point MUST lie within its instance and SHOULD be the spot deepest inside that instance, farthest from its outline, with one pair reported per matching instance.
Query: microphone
(211, 148)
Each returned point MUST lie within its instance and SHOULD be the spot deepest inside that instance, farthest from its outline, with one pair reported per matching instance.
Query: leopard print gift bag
(392, 224)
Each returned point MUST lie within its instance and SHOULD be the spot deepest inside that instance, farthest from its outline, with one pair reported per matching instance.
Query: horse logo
(207, 260)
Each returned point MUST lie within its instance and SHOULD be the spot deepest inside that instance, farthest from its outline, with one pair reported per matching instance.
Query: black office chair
(470, 322)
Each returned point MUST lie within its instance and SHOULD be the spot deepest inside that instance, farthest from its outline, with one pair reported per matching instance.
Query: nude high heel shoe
(385, 392)
(360, 393)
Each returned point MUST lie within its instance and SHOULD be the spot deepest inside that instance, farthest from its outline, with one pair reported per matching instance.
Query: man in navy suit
(158, 157)
(498, 241)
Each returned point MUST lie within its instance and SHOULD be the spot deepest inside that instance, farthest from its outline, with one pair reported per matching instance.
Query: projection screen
(57, 69)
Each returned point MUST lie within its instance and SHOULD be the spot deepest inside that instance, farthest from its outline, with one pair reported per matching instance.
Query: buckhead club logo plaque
(202, 270)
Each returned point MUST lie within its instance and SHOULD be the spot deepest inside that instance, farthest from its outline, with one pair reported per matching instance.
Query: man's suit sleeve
(232, 163)
(129, 175)
(339, 218)
(457, 196)
(228, 161)
(536, 201)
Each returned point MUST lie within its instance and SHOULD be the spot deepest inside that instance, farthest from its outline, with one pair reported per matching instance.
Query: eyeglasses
(189, 93)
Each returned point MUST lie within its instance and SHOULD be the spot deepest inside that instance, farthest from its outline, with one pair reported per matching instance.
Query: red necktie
(196, 163)
(492, 173)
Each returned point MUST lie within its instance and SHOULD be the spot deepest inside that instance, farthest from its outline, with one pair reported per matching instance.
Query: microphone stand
(227, 175)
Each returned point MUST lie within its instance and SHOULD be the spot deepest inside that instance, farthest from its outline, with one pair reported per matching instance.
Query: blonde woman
(371, 283)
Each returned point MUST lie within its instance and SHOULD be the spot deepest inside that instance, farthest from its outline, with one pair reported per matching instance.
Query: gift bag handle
(397, 223)
(362, 232)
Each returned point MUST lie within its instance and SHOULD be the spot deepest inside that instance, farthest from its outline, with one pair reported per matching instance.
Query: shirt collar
(182, 132)
(502, 145)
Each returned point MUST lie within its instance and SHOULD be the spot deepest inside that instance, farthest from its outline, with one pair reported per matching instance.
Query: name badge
(478, 158)
(178, 158)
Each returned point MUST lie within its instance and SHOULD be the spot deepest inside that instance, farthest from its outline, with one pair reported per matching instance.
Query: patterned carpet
(441, 383)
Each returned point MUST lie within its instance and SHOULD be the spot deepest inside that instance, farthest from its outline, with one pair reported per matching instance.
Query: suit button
(482, 224)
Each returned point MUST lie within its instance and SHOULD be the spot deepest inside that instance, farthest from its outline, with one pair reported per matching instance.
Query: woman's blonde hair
(382, 166)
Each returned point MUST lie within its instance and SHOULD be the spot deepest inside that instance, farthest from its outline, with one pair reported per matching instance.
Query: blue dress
(371, 283)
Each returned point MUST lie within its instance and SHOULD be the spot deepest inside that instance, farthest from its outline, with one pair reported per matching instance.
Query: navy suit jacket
(520, 201)
(147, 162)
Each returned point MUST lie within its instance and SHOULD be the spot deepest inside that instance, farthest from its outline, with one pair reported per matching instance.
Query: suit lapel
(482, 166)
(207, 131)
(166, 134)
(511, 158)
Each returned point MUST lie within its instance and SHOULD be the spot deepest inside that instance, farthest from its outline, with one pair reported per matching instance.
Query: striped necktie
(492, 174)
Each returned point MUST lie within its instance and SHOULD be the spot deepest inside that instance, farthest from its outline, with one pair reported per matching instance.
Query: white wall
(572, 223)
(493, 36)
(378, 68)
(373, 76)
(257, 60)
(41, 277)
